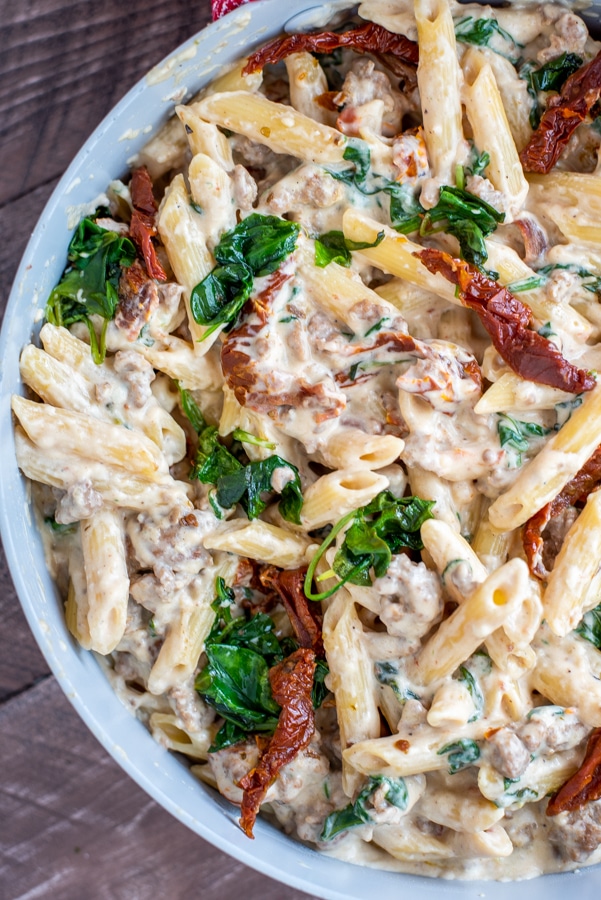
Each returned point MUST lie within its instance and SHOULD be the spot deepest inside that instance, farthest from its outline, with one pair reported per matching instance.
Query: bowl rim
(162, 776)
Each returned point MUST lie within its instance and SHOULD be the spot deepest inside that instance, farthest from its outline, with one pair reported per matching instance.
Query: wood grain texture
(73, 826)
(64, 64)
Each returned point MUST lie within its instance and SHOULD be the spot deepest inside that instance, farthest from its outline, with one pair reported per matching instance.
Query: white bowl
(161, 775)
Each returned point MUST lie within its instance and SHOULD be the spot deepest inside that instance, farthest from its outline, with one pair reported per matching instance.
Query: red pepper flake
(143, 227)
(403, 746)
(563, 115)
(585, 785)
(507, 321)
(575, 491)
(306, 620)
(396, 51)
(291, 685)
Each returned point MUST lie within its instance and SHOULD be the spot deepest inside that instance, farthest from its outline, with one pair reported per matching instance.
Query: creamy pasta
(314, 433)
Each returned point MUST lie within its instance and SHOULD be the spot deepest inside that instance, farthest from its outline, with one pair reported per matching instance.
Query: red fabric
(221, 7)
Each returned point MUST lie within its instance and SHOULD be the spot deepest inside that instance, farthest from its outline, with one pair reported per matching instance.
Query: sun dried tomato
(143, 226)
(395, 50)
(506, 320)
(575, 491)
(585, 785)
(291, 685)
(563, 115)
(306, 620)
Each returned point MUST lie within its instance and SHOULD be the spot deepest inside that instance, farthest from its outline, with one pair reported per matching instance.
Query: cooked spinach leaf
(462, 753)
(191, 409)
(235, 681)
(465, 216)
(590, 281)
(468, 679)
(549, 77)
(234, 481)
(383, 527)
(59, 528)
(357, 813)
(320, 691)
(256, 246)
(388, 673)
(516, 434)
(479, 164)
(248, 484)
(90, 282)
(590, 627)
(247, 438)
(553, 74)
(481, 32)
(333, 246)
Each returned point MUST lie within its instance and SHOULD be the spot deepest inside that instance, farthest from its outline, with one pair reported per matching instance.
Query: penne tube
(561, 316)
(307, 82)
(107, 581)
(486, 115)
(234, 80)
(354, 449)
(77, 605)
(338, 493)
(452, 706)
(351, 679)
(407, 842)
(395, 254)
(185, 636)
(212, 192)
(411, 752)
(166, 150)
(182, 234)
(514, 394)
(263, 542)
(439, 81)
(275, 125)
(115, 486)
(576, 565)
(474, 621)
(50, 428)
(206, 138)
(167, 729)
(463, 811)
(568, 673)
(543, 477)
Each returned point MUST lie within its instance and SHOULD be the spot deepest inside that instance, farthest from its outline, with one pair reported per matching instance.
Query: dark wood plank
(74, 826)
(64, 64)
(21, 663)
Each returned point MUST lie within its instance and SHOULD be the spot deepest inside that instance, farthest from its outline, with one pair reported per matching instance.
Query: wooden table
(72, 824)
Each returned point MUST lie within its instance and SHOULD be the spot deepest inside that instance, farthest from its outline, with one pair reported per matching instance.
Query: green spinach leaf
(590, 627)
(357, 813)
(334, 247)
(256, 246)
(481, 32)
(385, 526)
(516, 434)
(462, 753)
(90, 282)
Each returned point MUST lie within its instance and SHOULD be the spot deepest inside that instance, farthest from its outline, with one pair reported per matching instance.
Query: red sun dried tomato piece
(394, 49)
(563, 115)
(291, 685)
(143, 227)
(585, 785)
(506, 319)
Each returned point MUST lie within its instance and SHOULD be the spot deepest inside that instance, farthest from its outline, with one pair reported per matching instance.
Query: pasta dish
(313, 427)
